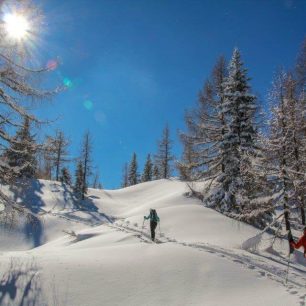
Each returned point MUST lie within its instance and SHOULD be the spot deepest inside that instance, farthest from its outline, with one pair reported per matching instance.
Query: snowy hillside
(108, 259)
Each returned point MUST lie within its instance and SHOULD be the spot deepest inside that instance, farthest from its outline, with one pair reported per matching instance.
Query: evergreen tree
(21, 155)
(238, 145)
(156, 175)
(133, 171)
(79, 180)
(65, 176)
(164, 156)
(148, 170)
(86, 162)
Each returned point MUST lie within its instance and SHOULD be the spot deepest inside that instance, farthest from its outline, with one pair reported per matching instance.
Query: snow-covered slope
(110, 260)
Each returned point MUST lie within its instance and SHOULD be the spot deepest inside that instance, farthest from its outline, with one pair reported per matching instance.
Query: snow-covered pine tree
(133, 175)
(203, 156)
(79, 180)
(164, 157)
(65, 176)
(239, 143)
(147, 174)
(21, 155)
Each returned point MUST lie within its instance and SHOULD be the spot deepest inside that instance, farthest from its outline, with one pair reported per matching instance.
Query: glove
(292, 244)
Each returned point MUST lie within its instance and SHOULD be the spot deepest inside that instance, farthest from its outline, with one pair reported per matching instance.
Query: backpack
(154, 216)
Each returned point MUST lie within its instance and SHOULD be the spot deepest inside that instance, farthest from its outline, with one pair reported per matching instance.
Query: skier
(301, 242)
(154, 219)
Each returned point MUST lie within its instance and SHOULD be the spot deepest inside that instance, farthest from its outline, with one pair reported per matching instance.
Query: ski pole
(142, 226)
(159, 229)
(288, 269)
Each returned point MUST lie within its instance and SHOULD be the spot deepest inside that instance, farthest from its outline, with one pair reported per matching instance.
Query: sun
(16, 25)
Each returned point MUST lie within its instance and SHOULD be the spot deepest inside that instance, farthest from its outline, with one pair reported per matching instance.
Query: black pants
(153, 226)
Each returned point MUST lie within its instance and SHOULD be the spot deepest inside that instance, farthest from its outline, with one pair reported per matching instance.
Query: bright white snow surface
(109, 260)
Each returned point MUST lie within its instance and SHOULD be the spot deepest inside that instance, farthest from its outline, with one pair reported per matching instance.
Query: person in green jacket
(154, 219)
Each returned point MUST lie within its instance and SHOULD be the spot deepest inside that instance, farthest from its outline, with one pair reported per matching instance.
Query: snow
(197, 260)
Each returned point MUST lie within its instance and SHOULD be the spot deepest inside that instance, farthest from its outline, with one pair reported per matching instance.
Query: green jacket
(152, 217)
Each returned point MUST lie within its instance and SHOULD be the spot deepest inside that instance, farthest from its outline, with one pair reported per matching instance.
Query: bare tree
(164, 157)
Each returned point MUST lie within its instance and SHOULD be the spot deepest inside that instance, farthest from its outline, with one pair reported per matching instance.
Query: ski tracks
(263, 265)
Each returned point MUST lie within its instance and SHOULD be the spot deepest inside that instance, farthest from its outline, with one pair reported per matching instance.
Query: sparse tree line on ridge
(250, 165)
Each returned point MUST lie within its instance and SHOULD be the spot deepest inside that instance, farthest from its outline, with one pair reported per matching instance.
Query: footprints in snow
(250, 261)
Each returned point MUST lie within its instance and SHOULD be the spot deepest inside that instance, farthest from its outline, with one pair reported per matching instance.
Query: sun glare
(16, 26)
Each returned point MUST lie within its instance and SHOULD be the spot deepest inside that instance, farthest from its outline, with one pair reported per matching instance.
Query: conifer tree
(148, 170)
(238, 145)
(164, 157)
(21, 155)
(133, 171)
(86, 162)
(65, 176)
(156, 175)
(79, 180)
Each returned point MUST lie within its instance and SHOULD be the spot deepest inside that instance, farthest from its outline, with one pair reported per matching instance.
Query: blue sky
(135, 65)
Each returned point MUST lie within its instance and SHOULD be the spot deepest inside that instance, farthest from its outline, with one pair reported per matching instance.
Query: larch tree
(20, 88)
(58, 152)
(287, 145)
(164, 157)
(203, 156)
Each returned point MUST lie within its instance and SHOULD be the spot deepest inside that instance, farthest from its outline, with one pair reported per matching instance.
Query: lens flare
(52, 64)
(17, 27)
(68, 83)
(88, 104)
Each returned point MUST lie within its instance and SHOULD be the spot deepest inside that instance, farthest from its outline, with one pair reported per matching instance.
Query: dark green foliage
(21, 155)
(148, 170)
(133, 175)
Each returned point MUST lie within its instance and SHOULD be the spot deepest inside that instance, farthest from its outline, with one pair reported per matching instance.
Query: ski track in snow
(265, 266)
(274, 270)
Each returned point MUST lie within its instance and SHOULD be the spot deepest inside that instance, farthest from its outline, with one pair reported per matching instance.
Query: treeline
(50, 159)
(251, 165)
(250, 161)
(159, 166)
